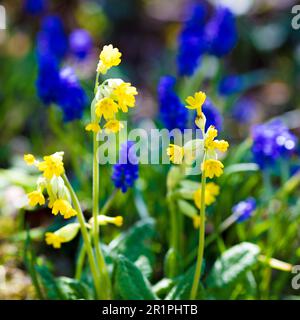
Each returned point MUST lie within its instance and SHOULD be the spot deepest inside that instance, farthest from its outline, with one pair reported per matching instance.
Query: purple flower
(221, 32)
(244, 110)
(35, 7)
(244, 209)
(172, 112)
(71, 97)
(272, 141)
(191, 42)
(212, 114)
(126, 171)
(231, 84)
(52, 39)
(80, 42)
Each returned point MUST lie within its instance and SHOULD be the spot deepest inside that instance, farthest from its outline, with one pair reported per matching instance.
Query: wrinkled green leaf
(233, 264)
(130, 283)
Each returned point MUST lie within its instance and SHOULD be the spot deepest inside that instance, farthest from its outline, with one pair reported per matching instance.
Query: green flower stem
(201, 239)
(109, 202)
(85, 236)
(173, 236)
(80, 262)
(96, 230)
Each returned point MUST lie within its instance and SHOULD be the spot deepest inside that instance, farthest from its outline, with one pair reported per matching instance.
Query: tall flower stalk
(207, 148)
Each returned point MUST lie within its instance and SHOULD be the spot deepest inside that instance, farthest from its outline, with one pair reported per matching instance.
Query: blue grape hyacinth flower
(272, 141)
(80, 43)
(71, 97)
(172, 111)
(35, 7)
(212, 114)
(244, 209)
(191, 42)
(221, 32)
(231, 84)
(126, 171)
(52, 38)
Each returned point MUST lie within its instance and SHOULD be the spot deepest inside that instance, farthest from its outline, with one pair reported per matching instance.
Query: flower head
(211, 191)
(93, 126)
(29, 159)
(52, 165)
(54, 240)
(191, 42)
(196, 101)
(125, 172)
(124, 94)
(80, 42)
(176, 153)
(113, 126)
(212, 168)
(109, 57)
(36, 197)
(272, 141)
(221, 32)
(244, 209)
(107, 108)
(64, 208)
(105, 220)
(212, 144)
(172, 112)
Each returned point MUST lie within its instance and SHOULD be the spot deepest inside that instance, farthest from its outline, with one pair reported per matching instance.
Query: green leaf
(74, 289)
(50, 284)
(232, 265)
(135, 242)
(183, 287)
(130, 283)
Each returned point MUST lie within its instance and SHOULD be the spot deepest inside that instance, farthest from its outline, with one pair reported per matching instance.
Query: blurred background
(266, 60)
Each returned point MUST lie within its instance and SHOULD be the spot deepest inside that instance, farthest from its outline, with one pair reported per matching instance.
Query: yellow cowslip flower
(211, 134)
(211, 191)
(196, 222)
(64, 208)
(212, 168)
(54, 240)
(221, 145)
(109, 57)
(105, 220)
(93, 126)
(52, 165)
(107, 108)
(125, 95)
(113, 126)
(36, 197)
(196, 102)
(176, 153)
(29, 159)
(211, 143)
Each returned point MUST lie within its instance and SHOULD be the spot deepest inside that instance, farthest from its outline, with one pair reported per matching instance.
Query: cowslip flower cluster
(272, 141)
(55, 85)
(244, 209)
(216, 37)
(210, 146)
(126, 171)
(112, 96)
(51, 183)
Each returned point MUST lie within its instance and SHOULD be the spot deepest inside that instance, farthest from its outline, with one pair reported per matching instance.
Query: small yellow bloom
(29, 159)
(221, 145)
(117, 221)
(105, 220)
(176, 153)
(36, 197)
(52, 165)
(113, 126)
(107, 108)
(196, 222)
(212, 168)
(64, 208)
(196, 102)
(125, 95)
(211, 191)
(54, 240)
(93, 126)
(211, 134)
(109, 57)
